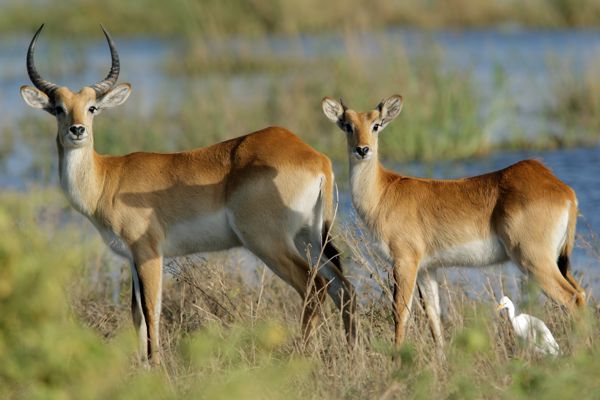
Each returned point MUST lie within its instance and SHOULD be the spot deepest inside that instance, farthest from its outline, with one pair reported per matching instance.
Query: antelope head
(362, 128)
(74, 111)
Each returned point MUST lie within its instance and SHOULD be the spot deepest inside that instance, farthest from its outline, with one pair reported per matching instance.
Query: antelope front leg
(149, 273)
(137, 314)
(405, 276)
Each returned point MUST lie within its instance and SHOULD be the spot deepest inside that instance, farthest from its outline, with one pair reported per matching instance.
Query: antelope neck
(365, 184)
(78, 171)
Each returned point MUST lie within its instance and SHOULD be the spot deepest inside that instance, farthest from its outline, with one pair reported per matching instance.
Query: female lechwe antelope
(266, 191)
(522, 213)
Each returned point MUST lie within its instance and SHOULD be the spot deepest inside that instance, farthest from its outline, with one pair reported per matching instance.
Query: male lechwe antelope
(522, 213)
(267, 191)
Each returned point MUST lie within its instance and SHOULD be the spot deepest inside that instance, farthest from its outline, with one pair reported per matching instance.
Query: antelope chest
(374, 237)
(114, 242)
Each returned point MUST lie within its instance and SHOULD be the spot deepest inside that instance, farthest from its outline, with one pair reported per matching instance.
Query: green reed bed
(257, 17)
(441, 118)
(576, 104)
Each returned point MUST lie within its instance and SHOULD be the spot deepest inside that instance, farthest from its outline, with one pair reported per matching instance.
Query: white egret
(530, 329)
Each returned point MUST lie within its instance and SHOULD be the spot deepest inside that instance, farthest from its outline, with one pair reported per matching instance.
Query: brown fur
(417, 219)
(257, 191)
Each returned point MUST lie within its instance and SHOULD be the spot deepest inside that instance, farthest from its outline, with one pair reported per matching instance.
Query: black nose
(77, 129)
(362, 151)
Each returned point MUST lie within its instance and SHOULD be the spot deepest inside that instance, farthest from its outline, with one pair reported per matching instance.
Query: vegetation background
(230, 329)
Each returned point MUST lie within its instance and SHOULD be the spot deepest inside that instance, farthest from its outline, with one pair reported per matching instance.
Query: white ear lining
(332, 110)
(115, 97)
(391, 108)
(35, 98)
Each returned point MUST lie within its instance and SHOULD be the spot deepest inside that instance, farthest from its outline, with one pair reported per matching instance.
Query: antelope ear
(390, 108)
(333, 110)
(36, 98)
(115, 97)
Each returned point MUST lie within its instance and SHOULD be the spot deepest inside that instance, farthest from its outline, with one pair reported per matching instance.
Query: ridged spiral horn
(102, 87)
(45, 86)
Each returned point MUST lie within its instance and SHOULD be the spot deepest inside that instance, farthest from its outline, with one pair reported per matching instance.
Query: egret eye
(93, 109)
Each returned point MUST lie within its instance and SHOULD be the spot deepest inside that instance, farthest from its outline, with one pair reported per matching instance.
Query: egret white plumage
(530, 329)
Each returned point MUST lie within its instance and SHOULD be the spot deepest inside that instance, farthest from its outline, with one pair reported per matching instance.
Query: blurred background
(485, 84)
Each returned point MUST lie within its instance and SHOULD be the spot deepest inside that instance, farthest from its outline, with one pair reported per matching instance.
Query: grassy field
(65, 330)
(65, 325)
(258, 17)
(577, 101)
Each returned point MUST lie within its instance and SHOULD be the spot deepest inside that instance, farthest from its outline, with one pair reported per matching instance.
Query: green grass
(259, 17)
(576, 104)
(63, 336)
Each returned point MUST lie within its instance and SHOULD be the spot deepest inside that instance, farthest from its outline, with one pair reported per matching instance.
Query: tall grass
(576, 104)
(228, 334)
(258, 17)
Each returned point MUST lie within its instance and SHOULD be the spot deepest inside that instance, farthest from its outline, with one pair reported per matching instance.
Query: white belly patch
(478, 253)
(207, 232)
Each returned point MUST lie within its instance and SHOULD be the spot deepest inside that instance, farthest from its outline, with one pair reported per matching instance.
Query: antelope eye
(93, 109)
(347, 128)
(376, 127)
(59, 110)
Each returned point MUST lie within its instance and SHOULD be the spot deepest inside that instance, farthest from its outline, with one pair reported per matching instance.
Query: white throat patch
(77, 177)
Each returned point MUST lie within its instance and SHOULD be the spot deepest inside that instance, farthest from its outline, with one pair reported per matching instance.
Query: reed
(576, 102)
(259, 17)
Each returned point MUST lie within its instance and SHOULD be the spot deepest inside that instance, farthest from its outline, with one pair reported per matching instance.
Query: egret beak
(499, 307)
